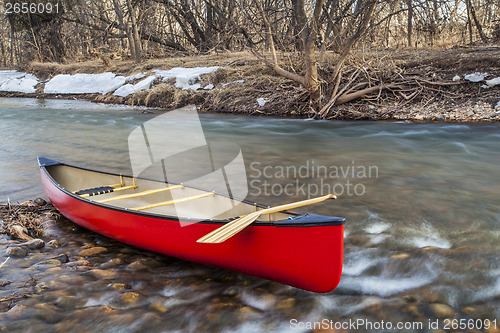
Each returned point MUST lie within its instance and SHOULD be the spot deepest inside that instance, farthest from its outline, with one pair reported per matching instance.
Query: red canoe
(304, 251)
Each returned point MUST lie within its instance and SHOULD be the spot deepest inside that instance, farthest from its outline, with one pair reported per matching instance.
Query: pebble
(129, 297)
(40, 202)
(112, 263)
(54, 244)
(69, 302)
(103, 274)
(285, 304)
(400, 256)
(76, 263)
(158, 307)
(63, 258)
(49, 263)
(120, 286)
(142, 264)
(32, 244)
(442, 310)
(93, 251)
(16, 312)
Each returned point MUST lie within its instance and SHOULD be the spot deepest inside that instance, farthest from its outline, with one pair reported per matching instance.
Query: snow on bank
(185, 78)
(261, 101)
(15, 81)
(25, 84)
(84, 83)
(476, 77)
(493, 82)
(128, 89)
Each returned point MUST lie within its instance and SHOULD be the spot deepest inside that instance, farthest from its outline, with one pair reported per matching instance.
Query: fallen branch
(20, 232)
(360, 93)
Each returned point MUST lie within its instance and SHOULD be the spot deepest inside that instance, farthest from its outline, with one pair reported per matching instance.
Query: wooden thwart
(140, 194)
(171, 202)
(227, 231)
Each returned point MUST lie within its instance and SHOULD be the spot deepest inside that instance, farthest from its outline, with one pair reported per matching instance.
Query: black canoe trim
(306, 220)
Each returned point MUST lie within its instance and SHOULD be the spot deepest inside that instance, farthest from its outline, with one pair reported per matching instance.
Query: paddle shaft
(232, 228)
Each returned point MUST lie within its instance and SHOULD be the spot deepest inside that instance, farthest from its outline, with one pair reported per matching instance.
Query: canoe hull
(309, 258)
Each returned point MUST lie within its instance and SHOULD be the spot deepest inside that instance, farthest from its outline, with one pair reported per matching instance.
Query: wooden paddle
(227, 231)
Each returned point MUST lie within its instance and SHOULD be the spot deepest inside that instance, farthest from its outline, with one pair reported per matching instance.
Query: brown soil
(426, 90)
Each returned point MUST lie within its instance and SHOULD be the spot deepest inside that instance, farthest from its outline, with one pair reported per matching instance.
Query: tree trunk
(125, 28)
(476, 22)
(135, 32)
(308, 33)
(410, 21)
(11, 44)
(469, 23)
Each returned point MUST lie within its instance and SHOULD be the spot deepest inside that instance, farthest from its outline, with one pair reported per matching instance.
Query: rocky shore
(457, 85)
(69, 279)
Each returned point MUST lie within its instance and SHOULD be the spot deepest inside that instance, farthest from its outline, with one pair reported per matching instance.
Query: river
(422, 233)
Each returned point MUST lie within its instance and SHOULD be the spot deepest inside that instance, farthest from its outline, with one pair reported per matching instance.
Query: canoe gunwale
(45, 162)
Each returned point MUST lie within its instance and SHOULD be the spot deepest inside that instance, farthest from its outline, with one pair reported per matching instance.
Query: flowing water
(422, 232)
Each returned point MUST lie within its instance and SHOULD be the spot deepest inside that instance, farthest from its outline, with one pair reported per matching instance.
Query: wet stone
(63, 258)
(77, 263)
(54, 244)
(411, 298)
(40, 202)
(400, 256)
(41, 286)
(120, 286)
(129, 298)
(102, 274)
(112, 263)
(16, 312)
(285, 304)
(49, 263)
(48, 312)
(93, 251)
(17, 251)
(31, 245)
(69, 302)
(469, 310)
(158, 307)
(142, 264)
(442, 310)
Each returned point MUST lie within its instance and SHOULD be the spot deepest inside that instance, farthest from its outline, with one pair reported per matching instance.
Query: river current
(421, 202)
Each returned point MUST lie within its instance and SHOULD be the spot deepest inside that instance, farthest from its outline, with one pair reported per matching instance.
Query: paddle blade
(225, 232)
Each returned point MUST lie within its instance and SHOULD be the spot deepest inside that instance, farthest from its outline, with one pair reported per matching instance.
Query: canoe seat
(96, 191)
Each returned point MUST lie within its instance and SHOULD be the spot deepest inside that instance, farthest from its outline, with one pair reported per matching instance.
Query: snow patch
(128, 89)
(209, 87)
(84, 83)
(493, 82)
(456, 78)
(476, 77)
(24, 83)
(10, 74)
(497, 106)
(135, 77)
(185, 78)
(261, 101)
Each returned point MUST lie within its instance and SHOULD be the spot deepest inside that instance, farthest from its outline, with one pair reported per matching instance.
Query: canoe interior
(216, 207)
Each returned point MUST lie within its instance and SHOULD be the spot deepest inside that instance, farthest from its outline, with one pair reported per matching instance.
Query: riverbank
(432, 85)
